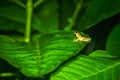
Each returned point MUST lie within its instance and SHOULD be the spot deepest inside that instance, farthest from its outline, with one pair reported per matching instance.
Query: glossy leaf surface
(98, 66)
(42, 56)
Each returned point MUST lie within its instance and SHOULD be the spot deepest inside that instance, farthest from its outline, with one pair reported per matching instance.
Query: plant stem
(19, 3)
(37, 3)
(75, 14)
(28, 20)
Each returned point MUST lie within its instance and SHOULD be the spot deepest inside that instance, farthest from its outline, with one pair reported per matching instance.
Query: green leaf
(42, 56)
(12, 17)
(13, 13)
(45, 18)
(113, 42)
(91, 67)
(48, 16)
(10, 25)
(97, 11)
(67, 8)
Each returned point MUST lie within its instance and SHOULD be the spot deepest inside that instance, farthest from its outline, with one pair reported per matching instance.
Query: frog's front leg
(75, 40)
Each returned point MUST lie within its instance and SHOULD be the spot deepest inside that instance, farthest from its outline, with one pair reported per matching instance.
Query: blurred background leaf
(47, 13)
(12, 18)
(113, 42)
(98, 11)
(66, 10)
(45, 17)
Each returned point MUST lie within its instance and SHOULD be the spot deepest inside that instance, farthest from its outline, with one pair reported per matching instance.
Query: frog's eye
(75, 32)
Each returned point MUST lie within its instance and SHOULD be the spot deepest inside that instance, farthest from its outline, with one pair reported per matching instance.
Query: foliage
(37, 40)
(113, 40)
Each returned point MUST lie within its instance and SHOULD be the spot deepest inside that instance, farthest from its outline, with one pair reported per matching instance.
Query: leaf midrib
(39, 61)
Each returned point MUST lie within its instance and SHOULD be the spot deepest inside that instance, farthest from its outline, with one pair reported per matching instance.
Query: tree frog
(81, 38)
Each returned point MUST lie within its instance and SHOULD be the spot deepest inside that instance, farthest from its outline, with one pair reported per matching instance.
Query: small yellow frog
(81, 38)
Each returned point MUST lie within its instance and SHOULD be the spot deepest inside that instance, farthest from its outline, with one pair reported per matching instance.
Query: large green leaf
(40, 57)
(97, 66)
(97, 11)
(113, 42)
